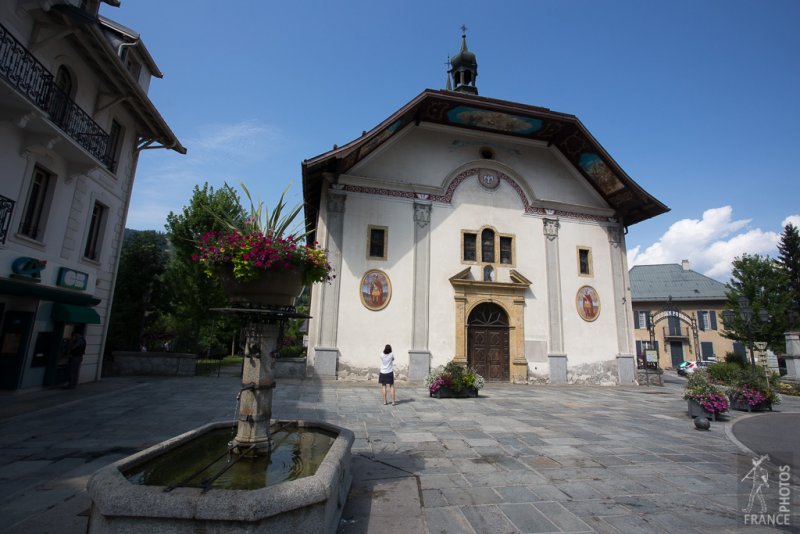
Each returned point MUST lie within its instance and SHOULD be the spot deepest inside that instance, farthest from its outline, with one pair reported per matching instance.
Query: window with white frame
(643, 319)
(94, 238)
(40, 194)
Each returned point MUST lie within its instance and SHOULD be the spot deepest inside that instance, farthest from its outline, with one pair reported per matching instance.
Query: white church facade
(478, 230)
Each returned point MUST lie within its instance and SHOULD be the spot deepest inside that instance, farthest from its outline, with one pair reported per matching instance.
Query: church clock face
(489, 179)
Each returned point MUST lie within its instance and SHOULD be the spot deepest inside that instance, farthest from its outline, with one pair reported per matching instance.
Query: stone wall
(153, 363)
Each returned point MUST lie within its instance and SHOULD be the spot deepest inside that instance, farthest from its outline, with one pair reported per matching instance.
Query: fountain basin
(310, 504)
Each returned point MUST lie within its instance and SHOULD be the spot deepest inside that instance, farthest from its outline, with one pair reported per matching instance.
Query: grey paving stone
(470, 496)
(447, 521)
(526, 518)
(488, 519)
(561, 517)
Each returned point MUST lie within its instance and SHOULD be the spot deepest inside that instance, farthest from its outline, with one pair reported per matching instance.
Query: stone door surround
(510, 296)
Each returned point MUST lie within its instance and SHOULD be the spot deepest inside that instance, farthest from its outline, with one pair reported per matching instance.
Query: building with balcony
(74, 117)
(677, 313)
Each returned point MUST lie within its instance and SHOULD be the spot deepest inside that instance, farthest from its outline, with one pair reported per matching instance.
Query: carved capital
(422, 213)
(614, 236)
(551, 227)
(336, 200)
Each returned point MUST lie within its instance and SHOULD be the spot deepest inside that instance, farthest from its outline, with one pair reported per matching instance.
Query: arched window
(487, 246)
(64, 81)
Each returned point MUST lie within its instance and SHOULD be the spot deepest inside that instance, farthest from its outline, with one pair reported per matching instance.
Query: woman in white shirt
(386, 378)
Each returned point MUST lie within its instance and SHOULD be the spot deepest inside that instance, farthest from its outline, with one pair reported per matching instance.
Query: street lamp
(746, 314)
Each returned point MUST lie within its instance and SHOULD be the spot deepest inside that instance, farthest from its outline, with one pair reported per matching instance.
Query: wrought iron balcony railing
(6, 208)
(27, 74)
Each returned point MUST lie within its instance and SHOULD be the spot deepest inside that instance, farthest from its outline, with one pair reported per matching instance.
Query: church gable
(472, 115)
(426, 158)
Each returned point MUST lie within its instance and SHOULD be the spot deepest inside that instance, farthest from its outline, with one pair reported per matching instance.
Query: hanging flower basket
(276, 288)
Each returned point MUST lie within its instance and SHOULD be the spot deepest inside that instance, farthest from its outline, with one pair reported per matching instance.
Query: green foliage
(732, 357)
(139, 304)
(725, 372)
(190, 292)
(764, 283)
(761, 380)
(789, 260)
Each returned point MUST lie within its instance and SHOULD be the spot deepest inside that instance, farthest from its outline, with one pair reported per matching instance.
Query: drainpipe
(124, 45)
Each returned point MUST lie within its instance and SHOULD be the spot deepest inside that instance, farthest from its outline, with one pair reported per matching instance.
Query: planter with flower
(259, 259)
(704, 398)
(454, 381)
(751, 396)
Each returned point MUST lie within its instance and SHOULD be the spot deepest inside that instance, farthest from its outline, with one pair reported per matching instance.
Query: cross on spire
(463, 29)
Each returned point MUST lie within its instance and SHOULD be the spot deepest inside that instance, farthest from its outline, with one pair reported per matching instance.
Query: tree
(190, 292)
(137, 301)
(761, 280)
(789, 260)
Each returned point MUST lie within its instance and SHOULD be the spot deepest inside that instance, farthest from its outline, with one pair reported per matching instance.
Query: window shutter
(707, 349)
(639, 350)
(647, 319)
(636, 322)
(713, 315)
(701, 323)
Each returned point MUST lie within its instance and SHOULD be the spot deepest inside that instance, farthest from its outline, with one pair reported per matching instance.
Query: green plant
(756, 387)
(732, 357)
(454, 376)
(725, 372)
(700, 389)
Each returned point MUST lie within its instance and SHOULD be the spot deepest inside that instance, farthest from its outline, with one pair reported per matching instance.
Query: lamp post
(747, 315)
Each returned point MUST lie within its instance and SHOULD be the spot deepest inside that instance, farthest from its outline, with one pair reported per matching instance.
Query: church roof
(662, 282)
(631, 203)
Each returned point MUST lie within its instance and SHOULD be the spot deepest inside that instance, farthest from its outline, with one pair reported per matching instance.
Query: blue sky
(696, 100)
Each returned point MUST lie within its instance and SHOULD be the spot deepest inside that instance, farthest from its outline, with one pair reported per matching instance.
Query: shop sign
(72, 279)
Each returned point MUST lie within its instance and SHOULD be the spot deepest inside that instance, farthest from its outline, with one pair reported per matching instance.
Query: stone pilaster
(556, 355)
(793, 356)
(326, 353)
(623, 311)
(419, 357)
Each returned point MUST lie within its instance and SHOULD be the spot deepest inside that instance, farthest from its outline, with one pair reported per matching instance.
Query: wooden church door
(487, 342)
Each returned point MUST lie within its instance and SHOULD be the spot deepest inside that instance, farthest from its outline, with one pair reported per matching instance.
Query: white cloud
(794, 219)
(710, 244)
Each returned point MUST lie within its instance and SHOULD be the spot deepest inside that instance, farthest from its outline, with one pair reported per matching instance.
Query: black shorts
(386, 378)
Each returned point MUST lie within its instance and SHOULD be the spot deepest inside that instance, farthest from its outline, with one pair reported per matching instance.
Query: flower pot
(696, 410)
(447, 393)
(745, 407)
(276, 288)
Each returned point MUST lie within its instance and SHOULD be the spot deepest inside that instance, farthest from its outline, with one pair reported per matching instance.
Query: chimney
(685, 265)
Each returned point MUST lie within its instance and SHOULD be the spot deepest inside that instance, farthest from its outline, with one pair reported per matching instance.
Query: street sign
(652, 355)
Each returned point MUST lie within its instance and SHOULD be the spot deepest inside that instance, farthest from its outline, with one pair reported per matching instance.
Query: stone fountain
(142, 494)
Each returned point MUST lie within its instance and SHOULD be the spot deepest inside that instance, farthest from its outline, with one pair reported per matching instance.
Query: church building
(478, 230)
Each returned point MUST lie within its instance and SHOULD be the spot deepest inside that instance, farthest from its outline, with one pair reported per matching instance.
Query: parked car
(687, 368)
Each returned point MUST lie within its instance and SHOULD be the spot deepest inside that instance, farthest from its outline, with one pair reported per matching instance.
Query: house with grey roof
(677, 313)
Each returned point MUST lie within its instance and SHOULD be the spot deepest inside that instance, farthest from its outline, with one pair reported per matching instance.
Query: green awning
(29, 289)
(67, 313)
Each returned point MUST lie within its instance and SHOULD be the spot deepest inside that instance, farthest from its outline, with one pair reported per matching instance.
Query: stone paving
(516, 459)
